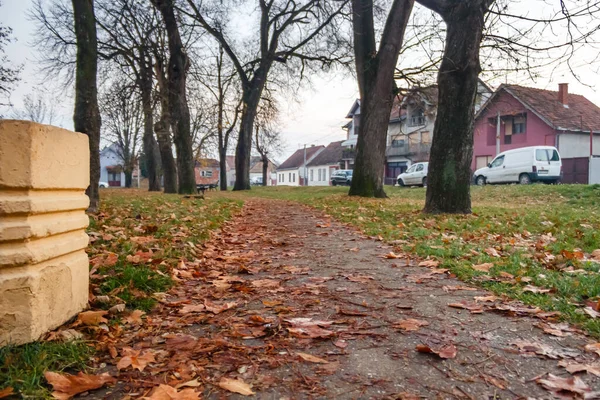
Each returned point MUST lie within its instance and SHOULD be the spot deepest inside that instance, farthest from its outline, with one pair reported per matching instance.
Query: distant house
(230, 162)
(321, 167)
(111, 167)
(206, 171)
(292, 171)
(530, 117)
(256, 170)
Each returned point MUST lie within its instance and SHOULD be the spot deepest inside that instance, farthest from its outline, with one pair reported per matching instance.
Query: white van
(524, 165)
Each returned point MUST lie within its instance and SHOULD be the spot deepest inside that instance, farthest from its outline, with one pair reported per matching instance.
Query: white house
(293, 170)
(322, 166)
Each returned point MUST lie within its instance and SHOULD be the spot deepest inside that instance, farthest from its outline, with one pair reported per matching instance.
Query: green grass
(533, 227)
(23, 367)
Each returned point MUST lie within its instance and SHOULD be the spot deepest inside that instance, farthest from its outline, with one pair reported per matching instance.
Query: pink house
(531, 117)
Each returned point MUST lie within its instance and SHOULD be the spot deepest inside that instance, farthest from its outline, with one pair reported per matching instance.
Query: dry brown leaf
(191, 308)
(429, 263)
(92, 317)
(165, 392)
(485, 267)
(593, 348)
(410, 324)
(557, 384)
(484, 299)
(311, 358)
(236, 386)
(135, 359)
(596, 254)
(135, 318)
(342, 344)
(392, 256)
(472, 307)
(66, 386)
(444, 351)
(8, 391)
(535, 289)
(591, 312)
(573, 368)
(492, 252)
(500, 383)
(265, 283)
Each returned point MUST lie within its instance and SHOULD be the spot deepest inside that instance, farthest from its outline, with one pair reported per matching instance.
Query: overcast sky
(317, 117)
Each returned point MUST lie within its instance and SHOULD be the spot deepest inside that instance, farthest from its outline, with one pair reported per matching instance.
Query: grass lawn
(539, 238)
(136, 240)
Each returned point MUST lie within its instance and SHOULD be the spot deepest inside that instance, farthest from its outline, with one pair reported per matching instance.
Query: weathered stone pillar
(44, 276)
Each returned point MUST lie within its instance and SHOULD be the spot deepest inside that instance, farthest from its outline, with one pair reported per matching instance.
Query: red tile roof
(580, 115)
(296, 160)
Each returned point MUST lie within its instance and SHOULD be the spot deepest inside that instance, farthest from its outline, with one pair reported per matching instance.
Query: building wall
(109, 158)
(206, 180)
(572, 145)
(537, 132)
(326, 171)
(289, 177)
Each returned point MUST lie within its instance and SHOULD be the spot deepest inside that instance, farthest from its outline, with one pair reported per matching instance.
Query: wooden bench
(206, 186)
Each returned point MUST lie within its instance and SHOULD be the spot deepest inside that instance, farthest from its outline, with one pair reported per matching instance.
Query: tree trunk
(128, 178)
(265, 168)
(86, 118)
(165, 148)
(149, 142)
(222, 166)
(376, 84)
(449, 176)
(244, 146)
(178, 106)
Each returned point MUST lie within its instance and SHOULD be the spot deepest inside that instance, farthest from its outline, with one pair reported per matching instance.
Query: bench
(206, 186)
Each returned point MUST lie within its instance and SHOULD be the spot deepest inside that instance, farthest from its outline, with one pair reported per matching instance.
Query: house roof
(207, 163)
(580, 115)
(331, 155)
(296, 160)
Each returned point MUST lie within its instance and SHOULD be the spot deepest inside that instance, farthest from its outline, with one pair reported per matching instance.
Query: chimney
(563, 93)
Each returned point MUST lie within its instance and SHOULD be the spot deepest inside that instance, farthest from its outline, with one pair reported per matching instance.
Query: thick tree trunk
(244, 146)
(86, 118)
(128, 178)
(376, 83)
(449, 176)
(265, 168)
(178, 106)
(149, 142)
(162, 129)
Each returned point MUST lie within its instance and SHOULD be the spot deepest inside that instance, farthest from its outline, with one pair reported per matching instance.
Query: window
(419, 167)
(519, 124)
(546, 155)
(497, 162)
(411, 169)
(507, 139)
(319, 174)
(207, 174)
(482, 161)
(312, 178)
(417, 118)
(294, 177)
(324, 174)
(397, 142)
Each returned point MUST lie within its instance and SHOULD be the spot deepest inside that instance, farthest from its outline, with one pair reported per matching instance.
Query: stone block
(44, 277)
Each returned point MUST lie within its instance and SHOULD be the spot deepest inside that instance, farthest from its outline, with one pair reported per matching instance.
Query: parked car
(257, 181)
(416, 175)
(102, 184)
(524, 166)
(341, 177)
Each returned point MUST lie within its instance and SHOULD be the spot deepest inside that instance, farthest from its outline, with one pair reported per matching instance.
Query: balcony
(407, 149)
(348, 154)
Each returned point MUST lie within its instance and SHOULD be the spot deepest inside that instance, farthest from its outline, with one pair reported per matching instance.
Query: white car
(102, 184)
(416, 175)
(524, 166)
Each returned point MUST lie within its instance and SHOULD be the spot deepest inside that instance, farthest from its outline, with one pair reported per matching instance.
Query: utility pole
(305, 183)
(498, 134)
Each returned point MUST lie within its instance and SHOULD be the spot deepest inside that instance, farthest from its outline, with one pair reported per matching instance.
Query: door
(496, 170)
(576, 170)
(419, 174)
(547, 162)
(408, 174)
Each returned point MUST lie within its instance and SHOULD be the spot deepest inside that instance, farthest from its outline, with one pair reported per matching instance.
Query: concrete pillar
(44, 276)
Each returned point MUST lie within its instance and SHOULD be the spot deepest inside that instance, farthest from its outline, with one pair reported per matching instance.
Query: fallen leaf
(596, 254)
(342, 344)
(535, 289)
(191, 308)
(492, 252)
(557, 384)
(484, 299)
(445, 351)
(236, 386)
(545, 350)
(429, 263)
(6, 392)
(165, 392)
(500, 383)
(485, 267)
(135, 359)
(66, 386)
(472, 307)
(573, 368)
(311, 358)
(593, 348)
(591, 312)
(265, 283)
(135, 318)
(410, 324)
(392, 256)
(572, 255)
(92, 317)
(192, 383)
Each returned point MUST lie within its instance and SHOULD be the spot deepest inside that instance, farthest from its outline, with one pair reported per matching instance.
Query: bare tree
(86, 118)
(9, 74)
(267, 138)
(37, 108)
(121, 107)
(179, 64)
(288, 31)
(375, 68)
